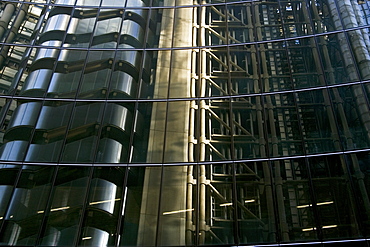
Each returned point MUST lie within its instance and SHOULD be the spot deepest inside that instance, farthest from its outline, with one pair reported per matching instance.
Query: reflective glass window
(283, 125)
(360, 172)
(50, 132)
(337, 60)
(267, 21)
(103, 209)
(119, 123)
(172, 217)
(333, 195)
(248, 123)
(97, 74)
(176, 136)
(349, 108)
(67, 75)
(26, 209)
(255, 201)
(305, 67)
(141, 207)
(82, 134)
(318, 123)
(294, 200)
(12, 73)
(217, 214)
(107, 28)
(9, 174)
(66, 207)
(148, 140)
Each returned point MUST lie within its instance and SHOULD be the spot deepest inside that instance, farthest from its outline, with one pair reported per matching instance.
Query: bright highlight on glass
(318, 204)
(53, 209)
(99, 202)
(314, 228)
(178, 211)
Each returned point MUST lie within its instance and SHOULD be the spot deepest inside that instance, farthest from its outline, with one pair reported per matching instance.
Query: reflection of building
(173, 123)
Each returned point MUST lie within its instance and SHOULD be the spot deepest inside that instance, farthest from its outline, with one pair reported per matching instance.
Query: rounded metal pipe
(6, 17)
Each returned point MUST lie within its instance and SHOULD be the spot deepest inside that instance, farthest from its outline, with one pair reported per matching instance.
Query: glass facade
(184, 123)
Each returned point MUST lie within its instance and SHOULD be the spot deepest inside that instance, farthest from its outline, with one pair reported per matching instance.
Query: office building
(184, 122)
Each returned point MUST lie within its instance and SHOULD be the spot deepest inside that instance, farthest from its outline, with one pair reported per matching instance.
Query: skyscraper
(184, 123)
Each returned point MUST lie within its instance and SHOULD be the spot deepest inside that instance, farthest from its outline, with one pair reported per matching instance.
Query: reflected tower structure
(73, 72)
(184, 123)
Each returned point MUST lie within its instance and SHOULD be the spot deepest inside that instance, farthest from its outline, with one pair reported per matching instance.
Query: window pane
(50, 132)
(217, 205)
(255, 202)
(66, 207)
(334, 198)
(172, 218)
(141, 207)
(9, 174)
(82, 134)
(294, 201)
(359, 165)
(318, 125)
(103, 210)
(26, 210)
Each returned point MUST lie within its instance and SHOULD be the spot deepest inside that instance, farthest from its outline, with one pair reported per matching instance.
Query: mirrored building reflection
(185, 123)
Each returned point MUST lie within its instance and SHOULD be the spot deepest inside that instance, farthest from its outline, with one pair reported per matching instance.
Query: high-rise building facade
(184, 122)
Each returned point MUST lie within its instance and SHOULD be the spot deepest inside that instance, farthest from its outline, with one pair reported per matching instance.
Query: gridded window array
(263, 202)
(64, 51)
(172, 123)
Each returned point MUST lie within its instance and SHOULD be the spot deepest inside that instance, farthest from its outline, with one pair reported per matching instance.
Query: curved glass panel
(68, 198)
(26, 209)
(184, 122)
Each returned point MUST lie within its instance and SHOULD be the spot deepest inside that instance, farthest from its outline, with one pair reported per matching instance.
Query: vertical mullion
(121, 216)
(140, 82)
(42, 227)
(165, 134)
(232, 131)
(88, 51)
(263, 131)
(74, 103)
(100, 131)
(84, 206)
